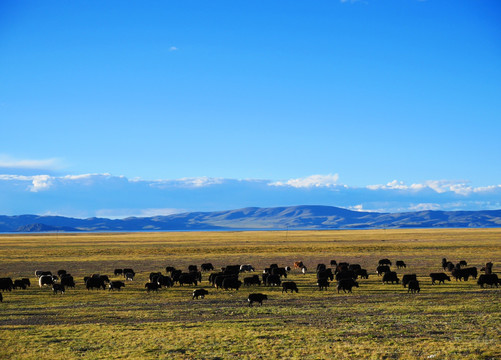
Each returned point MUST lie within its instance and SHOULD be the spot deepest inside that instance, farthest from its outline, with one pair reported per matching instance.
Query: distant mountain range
(293, 217)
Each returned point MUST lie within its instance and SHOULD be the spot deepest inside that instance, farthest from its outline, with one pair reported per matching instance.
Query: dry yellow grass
(451, 321)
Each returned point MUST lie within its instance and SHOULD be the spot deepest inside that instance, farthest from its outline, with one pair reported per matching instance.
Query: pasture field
(458, 320)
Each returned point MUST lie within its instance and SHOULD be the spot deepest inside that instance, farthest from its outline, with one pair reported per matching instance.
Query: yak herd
(229, 278)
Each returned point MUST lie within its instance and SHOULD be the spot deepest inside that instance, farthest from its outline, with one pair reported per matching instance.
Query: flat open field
(457, 320)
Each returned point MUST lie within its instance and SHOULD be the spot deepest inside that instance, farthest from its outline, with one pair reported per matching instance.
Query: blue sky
(377, 105)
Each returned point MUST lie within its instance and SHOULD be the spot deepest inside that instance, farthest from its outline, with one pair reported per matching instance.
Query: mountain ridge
(314, 217)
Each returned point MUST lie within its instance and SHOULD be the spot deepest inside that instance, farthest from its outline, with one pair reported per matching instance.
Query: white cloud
(86, 176)
(90, 179)
(393, 185)
(441, 186)
(118, 196)
(195, 182)
(40, 164)
(460, 187)
(424, 207)
(124, 213)
(359, 207)
(15, 177)
(313, 181)
(201, 181)
(40, 183)
(487, 189)
(173, 48)
(44, 182)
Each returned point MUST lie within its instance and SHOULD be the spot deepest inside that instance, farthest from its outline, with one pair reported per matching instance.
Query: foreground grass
(452, 321)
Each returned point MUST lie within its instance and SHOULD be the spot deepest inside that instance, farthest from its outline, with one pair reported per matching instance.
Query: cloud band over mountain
(106, 195)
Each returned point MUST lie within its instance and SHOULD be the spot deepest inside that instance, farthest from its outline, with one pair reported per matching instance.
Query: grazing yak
(400, 264)
(199, 293)
(385, 262)
(445, 263)
(346, 274)
(175, 274)
(207, 267)
(1, 297)
(342, 266)
(304, 270)
(128, 270)
(68, 281)
(197, 275)
(6, 283)
(464, 273)
(323, 283)
(170, 269)
(231, 269)
(45, 280)
(488, 279)
(61, 272)
(487, 268)
(231, 283)
(154, 275)
(188, 278)
(280, 271)
(58, 287)
(333, 263)
(212, 277)
(354, 267)
(273, 280)
(39, 273)
(460, 274)
(192, 268)
(289, 285)
(19, 284)
(246, 268)
(327, 273)
(218, 283)
(321, 267)
(129, 276)
(95, 283)
(407, 278)
(252, 280)
(116, 285)
(163, 280)
(413, 287)
(264, 276)
(152, 287)
(390, 277)
(382, 269)
(257, 297)
(346, 285)
(440, 277)
(362, 273)
(472, 271)
(118, 272)
(26, 281)
(298, 264)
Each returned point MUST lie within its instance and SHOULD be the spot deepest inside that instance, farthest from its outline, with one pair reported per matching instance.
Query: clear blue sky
(373, 91)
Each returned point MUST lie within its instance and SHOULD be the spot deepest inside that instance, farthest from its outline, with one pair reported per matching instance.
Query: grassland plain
(457, 320)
